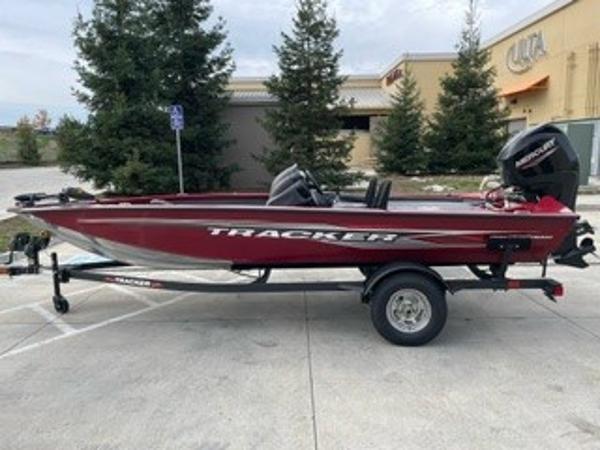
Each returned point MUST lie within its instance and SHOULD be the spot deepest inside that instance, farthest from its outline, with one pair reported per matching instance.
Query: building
(548, 68)
(370, 96)
(250, 101)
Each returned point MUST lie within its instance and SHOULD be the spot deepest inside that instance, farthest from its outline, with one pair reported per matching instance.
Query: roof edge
(262, 79)
(546, 11)
(425, 56)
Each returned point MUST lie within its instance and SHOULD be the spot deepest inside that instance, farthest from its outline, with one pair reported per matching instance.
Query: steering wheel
(312, 181)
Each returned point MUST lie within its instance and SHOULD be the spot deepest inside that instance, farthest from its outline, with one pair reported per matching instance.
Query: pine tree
(306, 125)
(399, 139)
(197, 66)
(132, 64)
(468, 128)
(125, 136)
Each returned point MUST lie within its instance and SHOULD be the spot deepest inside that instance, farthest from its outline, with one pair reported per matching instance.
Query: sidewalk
(588, 202)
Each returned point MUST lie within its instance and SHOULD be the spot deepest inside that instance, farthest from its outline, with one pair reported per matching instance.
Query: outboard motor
(541, 161)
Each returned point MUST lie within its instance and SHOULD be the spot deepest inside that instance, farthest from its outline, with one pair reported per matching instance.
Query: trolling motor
(65, 196)
(541, 161)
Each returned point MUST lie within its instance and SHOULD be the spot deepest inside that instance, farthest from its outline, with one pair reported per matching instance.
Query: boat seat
(295, 187)
(382, 198)
(290, 188)
(371, 191)
(284, 179)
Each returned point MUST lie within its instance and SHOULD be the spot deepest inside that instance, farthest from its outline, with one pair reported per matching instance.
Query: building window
(516, 126)
(361, 123)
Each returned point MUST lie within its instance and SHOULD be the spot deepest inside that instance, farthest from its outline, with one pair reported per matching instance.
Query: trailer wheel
(409, 309)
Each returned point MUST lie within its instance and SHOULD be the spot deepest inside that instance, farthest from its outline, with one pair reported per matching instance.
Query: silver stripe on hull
(285, 226)
(133, 255)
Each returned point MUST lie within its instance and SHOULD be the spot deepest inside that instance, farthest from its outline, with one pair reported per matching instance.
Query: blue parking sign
(177, 121)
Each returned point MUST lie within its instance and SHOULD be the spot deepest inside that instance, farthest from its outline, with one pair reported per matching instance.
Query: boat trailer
(417, 291)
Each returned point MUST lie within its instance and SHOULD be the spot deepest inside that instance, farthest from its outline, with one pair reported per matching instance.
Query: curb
(588, 208)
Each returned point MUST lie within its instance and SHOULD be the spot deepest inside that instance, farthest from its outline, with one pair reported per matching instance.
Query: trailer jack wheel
(61, 305)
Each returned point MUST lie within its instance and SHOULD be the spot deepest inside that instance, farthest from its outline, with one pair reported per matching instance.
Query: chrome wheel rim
(408, 310)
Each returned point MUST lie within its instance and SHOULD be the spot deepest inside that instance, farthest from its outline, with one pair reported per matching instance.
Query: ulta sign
(523, 54)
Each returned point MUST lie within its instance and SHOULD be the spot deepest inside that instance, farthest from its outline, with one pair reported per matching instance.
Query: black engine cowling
(541, 161)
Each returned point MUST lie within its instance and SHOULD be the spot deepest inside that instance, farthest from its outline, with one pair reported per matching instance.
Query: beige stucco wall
(568, 34)
(257, 83)
(362, 153)
(428, 75)
(247, 84)
(251, 138)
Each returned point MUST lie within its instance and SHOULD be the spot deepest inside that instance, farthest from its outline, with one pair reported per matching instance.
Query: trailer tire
(408, 309)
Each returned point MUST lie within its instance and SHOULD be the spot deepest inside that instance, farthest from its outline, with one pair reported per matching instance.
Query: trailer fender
(395, 268)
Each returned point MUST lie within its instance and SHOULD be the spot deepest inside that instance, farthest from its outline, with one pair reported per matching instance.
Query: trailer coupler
(31, 246)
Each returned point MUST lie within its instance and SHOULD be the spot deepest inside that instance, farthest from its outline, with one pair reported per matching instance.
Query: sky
(37, 54)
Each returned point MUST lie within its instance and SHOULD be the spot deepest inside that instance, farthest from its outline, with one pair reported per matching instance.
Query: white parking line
(241, 278)
(70, 294)
(95, 326)
(53, 319)
(136, 295)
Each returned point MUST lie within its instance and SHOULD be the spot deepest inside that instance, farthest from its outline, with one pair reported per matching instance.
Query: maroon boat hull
(194, 231)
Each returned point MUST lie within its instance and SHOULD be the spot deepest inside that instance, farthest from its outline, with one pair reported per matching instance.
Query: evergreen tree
(126, 133)
(306, 125)
(27, 142)
(196, 68)
(131, 72)
(399, 139)
(468, 129)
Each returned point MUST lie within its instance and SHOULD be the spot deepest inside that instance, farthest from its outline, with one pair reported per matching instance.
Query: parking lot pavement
(137, 369)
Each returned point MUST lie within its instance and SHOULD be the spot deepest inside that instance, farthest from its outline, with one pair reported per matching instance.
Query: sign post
(177, 123)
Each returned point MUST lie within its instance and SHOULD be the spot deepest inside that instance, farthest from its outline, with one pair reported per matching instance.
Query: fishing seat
(382, 197)
(371, 191)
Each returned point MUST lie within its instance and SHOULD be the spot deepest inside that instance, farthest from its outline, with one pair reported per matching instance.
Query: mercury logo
(538, 155)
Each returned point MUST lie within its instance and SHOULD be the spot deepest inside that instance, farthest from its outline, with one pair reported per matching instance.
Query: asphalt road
(130, 368)
(38, 179)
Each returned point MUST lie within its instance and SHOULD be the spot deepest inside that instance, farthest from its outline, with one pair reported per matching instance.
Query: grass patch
(418, 185)
(9, 153)
(10, 227)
